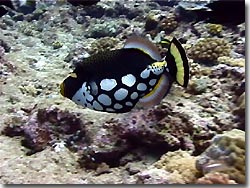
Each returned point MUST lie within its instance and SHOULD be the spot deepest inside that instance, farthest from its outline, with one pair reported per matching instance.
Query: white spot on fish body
(79, 98)
(89, 97)
(141, 87)
(84, 86)
(110, 110)
(145, 74)
(108, 84)
(97, 106)
(89, 106)
(152, 82)
(128, 80)
(157, 71)
(134, 95)
(129, 103)
(94, 88)
(121, 94)
(117, 106)
(104, 99)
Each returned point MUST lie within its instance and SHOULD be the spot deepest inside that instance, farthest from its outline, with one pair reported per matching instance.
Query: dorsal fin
(144, 45)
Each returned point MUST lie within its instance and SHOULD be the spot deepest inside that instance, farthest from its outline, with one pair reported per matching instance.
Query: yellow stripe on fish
(157, 94)
(118, 80)
(178, 62)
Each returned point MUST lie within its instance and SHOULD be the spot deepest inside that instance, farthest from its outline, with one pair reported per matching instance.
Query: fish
(116, 81)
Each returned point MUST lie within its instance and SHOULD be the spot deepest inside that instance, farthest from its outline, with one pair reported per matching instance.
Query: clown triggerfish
(118, 80)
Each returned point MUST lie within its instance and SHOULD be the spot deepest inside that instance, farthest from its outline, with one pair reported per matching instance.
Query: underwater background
(194, 136)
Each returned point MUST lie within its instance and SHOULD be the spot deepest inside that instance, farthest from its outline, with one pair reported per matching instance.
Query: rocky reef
(215, 178)
(46, 127)
(6, 66)
(226, 154)
(194, 136)
(208, 50)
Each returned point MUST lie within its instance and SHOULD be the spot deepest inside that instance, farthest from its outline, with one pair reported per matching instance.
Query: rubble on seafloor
(226, 154)
(183, 140)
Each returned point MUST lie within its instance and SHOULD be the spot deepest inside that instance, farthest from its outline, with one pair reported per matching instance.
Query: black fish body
(115, 63)
(116, 81)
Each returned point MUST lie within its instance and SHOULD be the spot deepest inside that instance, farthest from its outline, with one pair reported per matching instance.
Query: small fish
(116, 81)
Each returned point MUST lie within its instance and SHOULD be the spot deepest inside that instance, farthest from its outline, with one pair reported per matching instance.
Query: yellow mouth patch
(73, 75)
(159, 64)
(62, 89)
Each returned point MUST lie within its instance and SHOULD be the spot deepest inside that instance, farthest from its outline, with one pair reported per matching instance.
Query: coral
(6, 67)
(169, 23)
(77, 55)
(34, 87)
(103, 44)
(5, 45)
(215, 178)
(43, 127)
(80, 52)
(239, 62)
(230, 79)
(195, 68)
(133, 168)
(241, 102)
(57, 44)
(240, 110)
(48, 38)
(7, 21)
(27, 29)
(115, 9)
(38, 13)
(240, 46)
(198, 86)
(154, 127)
(154, 176)
(214, 29)
(179, 162)
(106, 29)
(225, 71)
(207, 50)
(29, 90)
(106, 145)
(2, 51)
(96, 11)
(158, 128)
(226, 154)
(196, 71)
(102, 168)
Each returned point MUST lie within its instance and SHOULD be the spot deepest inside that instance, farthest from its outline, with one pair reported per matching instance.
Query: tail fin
(177, 63)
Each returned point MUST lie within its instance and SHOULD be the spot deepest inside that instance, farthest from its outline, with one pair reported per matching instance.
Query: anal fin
(155, 96)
